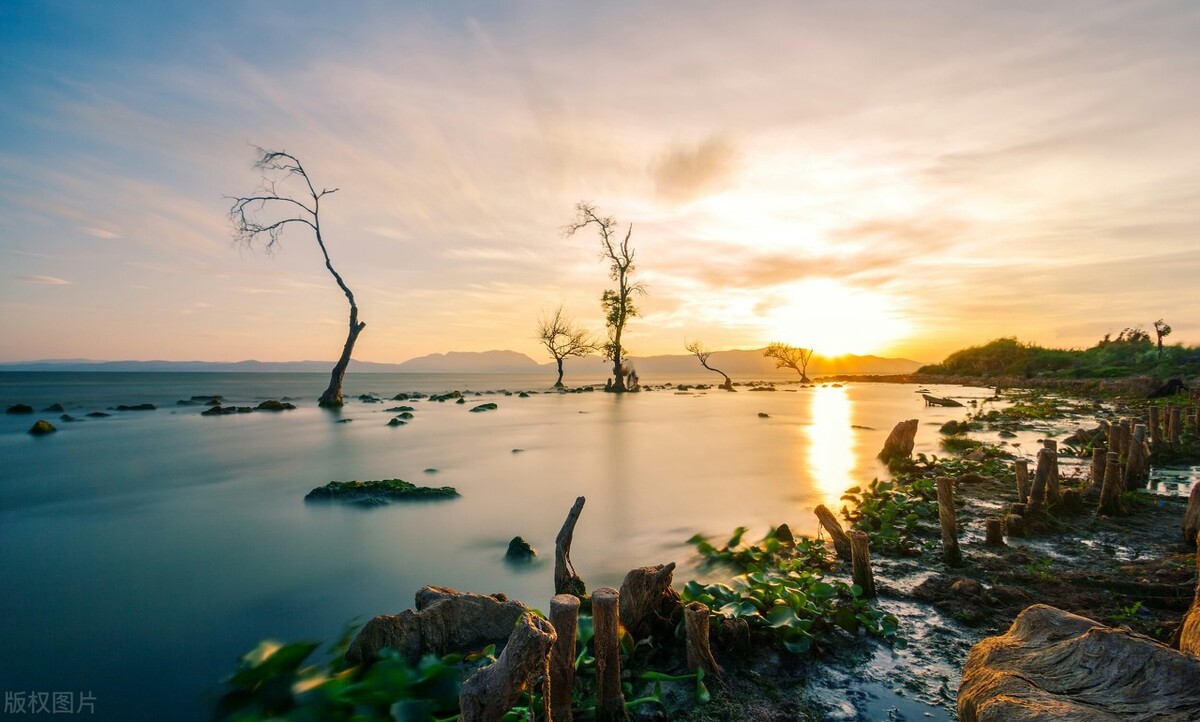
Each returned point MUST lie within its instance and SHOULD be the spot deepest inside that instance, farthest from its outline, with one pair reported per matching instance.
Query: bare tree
(563, 339)
(697, 349)
(1162, 330)
(617, 303)
(787, 356)
(268, 211)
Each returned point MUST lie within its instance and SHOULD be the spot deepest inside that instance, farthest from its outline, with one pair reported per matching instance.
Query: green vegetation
(1132, 352)
(892, 512)
(781, 592)
(378, 492)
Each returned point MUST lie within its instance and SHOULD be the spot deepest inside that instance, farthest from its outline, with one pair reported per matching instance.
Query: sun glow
(833, 318)
(831, 443)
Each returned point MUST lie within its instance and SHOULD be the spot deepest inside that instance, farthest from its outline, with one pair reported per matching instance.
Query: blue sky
(894, 177)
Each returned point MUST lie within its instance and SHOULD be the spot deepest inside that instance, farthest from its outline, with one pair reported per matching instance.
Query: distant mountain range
(738, 363)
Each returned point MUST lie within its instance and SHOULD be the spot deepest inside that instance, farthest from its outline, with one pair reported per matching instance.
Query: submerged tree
(268, 211)
(563, 339)
(1162, 330)
(617, 303)
(697, 349)
(792, 357)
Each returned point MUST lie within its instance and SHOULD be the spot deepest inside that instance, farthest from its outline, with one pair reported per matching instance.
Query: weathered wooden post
(1113, 439)
(606, 620)
(492, 691)
(1021, 470)
(1098, 455)
(1110, 493)
(1135, 461)
(1052, 492)
(1154, 425)
(945, 495)
(566, 581)
(699, 652)
(995, 531)
(564, 615)
(899, 444)
(829, 522)
(1126, 431)
(1176, 426)
(860, 546)
(1041, 477)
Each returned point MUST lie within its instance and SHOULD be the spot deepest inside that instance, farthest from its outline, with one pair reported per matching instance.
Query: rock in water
(41, 427)
(899, 444)
(1191, 517)
(19, 409)
(273, 405)
(484, 407)
(372, 493)
(1054, 665)
(519, 550)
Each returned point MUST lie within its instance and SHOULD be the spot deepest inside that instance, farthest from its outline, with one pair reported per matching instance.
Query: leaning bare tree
(702, 354)
(617, 303)
(563, 339)
(268, 211)
(792, 357)
(1162, 330)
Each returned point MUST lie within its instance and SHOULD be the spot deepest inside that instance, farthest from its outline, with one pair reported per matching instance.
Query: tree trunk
(618, 373)
(332, 398)
(566, 581)
(610, 701)
(491, 692)
(559, 384)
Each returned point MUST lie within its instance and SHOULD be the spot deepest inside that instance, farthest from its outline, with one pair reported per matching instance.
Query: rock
(485, 407)
(763, 415)
(1191, 517)
(445, 621)
(519, 550)
(211, 399)
(406, 415)
(966, 587)
(67, 417)
(374, 492)
(368, 399)
(762, 388)
(212, 402)
(54, 409)
(137, 407)
(19, 409)
(210, 411)
(461, 401)
(41, 427)
(431, 471)
(399, 409)
(397, 422)
(344, 421)
(98, 414)
(273, 405)
(518, 451)
(1054, 665)
(523, 395)
(1189, 631)
(445, 397)
(1170, 388)
(900, 441)
(401, 397)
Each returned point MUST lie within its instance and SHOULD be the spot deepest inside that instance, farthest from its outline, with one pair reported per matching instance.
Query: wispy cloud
(45, 280)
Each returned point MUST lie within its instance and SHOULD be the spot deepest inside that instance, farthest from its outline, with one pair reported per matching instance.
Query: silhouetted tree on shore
(697, 349)
(268, 211)
(617, 303)
(792, 357)
(1162, 330)
(563, 339)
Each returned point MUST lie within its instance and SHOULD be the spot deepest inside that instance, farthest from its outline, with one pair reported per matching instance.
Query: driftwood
(940, 401)
(1110, 493)
(945, 495)
(1189, 631)
(1041, 478)
(1053, 665)
(699, 652)
(610, 701)
(648, 602)
(566, 581)
(829, 522)
(860, 544)
(564, 615)
(492, 691)
(899, 444)
(445, 621)
(1021, 470)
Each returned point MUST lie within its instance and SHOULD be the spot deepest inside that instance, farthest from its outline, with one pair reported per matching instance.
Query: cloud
(100, 233)
(684, 173)
(45, 280)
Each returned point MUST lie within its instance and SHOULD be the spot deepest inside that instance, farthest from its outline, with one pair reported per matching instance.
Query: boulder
(445, 621)
(41, 427)
(1189, 631)
(484, 407)
(519, 550)
(1054, 665)
(377, 493)
(19, 409)
(54, 409)
(136, 407)
(273, 405)
(1191, 517)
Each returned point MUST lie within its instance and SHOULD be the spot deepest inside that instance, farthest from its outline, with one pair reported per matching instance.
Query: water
(143, 552)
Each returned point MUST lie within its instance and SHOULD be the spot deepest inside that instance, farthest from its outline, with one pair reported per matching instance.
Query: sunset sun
(833, 318)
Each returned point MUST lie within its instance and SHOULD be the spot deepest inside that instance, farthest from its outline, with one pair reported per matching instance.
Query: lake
(144, 551)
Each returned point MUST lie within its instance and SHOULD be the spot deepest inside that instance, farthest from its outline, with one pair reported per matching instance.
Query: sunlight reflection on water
(831, 443)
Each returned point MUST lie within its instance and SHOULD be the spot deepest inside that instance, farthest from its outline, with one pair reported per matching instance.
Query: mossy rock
(373, 493)
(136, 407)
(397, 422)
(519, 550)
(41, 427)
(484, 407)
(273, 405)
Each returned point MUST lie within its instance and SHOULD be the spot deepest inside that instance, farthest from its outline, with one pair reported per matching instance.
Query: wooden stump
(648, 602)
(1053, 495)
(566, 581)
(1154, 425)
(492, 691)
(699, 652)
(1110, 493)
(1176, 426)
(1041, 477)
(1135, 461)
(1189, 631)
(829, 522)
(1098, 456)
(1125, 430)
(860, 546)
(1016, 525)
(1021, 470)
(1072, 502)
(945, 495)
(995, 531)
(564, 615)
(899, 444)
(606, 617)
(1191, 517)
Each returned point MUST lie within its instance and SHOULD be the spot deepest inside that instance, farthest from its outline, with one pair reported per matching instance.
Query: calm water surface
(143, 552)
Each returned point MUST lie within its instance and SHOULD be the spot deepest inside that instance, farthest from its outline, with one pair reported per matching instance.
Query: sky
(903, 178)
